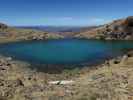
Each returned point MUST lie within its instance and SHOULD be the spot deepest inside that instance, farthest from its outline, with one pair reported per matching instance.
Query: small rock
(95, 77)
(124, 58)
(130, 54)
(61, 93)
(63, 82)
(19, 82)
(9, 58)
(116, 61)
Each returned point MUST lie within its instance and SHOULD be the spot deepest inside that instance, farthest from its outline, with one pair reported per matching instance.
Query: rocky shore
(112, 80)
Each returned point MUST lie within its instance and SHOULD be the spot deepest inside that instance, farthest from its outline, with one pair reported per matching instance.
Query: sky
(63, 12)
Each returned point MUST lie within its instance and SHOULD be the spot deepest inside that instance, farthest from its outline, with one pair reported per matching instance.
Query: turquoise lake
(65, 51)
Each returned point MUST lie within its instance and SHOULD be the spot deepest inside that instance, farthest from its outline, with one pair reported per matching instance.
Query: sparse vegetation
(104, 82)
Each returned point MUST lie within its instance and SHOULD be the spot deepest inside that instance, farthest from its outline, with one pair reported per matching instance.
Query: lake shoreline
(19, 76)
(86, 46)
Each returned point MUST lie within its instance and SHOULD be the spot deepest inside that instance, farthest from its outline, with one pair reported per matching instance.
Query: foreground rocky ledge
(112, 80)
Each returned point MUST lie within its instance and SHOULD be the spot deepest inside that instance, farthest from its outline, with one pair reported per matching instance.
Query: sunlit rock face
(122, 25)
(121, 29)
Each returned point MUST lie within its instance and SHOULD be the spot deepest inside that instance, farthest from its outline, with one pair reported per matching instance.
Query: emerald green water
(65, 51)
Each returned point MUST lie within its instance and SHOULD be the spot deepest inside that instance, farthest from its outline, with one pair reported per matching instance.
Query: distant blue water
(65, 51)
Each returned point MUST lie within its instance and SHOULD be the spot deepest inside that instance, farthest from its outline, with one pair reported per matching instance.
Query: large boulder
(128, 25)
(3, 26)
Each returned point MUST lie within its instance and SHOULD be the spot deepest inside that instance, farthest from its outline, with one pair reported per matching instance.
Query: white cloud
(97, 20)
(60, 18)
(66, 18)
(75, 21)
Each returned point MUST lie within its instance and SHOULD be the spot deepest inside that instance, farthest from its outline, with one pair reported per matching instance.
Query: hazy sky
(63, 12)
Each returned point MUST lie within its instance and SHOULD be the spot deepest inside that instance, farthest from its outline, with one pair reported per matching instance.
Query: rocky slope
(9, 34)
(112, 80)
(119, 29)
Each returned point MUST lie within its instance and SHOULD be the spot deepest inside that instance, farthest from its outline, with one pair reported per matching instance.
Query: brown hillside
(119, 29)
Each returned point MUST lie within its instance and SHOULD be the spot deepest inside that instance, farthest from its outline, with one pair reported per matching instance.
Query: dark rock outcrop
(3, 26)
